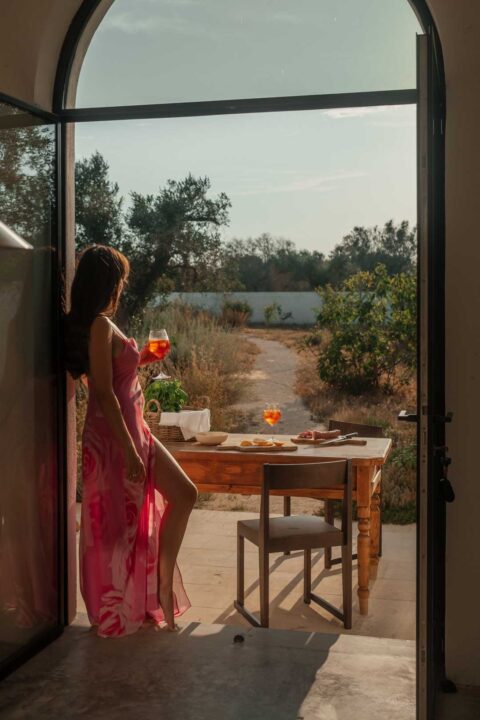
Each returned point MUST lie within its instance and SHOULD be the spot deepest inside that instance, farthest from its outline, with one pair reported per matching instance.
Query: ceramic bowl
(211, 438)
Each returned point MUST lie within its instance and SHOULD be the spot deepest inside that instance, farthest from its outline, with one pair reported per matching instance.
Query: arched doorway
(269, 104)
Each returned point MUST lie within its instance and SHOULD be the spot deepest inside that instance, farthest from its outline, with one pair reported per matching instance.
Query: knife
(348, 439)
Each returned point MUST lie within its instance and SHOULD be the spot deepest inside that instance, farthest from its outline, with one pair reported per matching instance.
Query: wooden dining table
(234, 471)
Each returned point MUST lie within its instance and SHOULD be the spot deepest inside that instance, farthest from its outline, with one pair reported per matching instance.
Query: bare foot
(165, 598)
(166, 628)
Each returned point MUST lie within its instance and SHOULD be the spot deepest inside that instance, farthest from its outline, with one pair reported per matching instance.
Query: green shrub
(236, 312)
(404, 458)
(169, 394)
(370, 342)
(399, 481)
(273, 314)
(238, 305)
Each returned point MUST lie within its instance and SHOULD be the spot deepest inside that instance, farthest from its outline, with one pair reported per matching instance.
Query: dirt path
(273, 380)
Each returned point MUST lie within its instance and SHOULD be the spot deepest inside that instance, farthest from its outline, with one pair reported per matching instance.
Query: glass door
(29, 487)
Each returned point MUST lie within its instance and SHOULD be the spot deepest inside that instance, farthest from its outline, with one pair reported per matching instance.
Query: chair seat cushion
(297, 532)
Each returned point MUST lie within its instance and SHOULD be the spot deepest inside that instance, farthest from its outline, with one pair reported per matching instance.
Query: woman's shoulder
(101, 327)
(105, 329)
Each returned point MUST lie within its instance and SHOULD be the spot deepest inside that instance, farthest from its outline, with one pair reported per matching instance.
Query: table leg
(375, 525)
(329, 518)
(363, 474)
(287, 511)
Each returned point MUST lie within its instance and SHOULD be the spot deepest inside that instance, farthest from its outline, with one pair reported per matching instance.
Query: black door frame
(434, 564)
(435, 414)
(24, 653)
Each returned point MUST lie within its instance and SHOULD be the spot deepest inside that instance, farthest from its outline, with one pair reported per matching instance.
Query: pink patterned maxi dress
(119, 535)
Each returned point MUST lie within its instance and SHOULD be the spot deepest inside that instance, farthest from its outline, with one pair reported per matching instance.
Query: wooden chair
(301, 532)
(366, 431)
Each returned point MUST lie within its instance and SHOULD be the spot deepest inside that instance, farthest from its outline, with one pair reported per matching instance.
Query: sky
(308, 176)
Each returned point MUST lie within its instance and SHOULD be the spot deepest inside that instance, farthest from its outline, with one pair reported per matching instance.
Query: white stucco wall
(301, 305)
(30, 46)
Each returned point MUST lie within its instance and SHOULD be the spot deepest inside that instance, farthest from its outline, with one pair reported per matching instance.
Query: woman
(129, 537)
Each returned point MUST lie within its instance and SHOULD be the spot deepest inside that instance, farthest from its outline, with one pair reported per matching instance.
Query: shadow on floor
(203, 673)
(208, 562)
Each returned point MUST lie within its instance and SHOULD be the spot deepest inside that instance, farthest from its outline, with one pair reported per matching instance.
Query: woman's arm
(100, 361)
(146, 357)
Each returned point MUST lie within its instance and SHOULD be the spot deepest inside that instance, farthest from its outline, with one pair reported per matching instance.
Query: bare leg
(181, 495)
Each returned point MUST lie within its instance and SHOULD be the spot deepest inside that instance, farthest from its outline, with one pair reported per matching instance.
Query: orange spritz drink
(272, 414)
(158, 343)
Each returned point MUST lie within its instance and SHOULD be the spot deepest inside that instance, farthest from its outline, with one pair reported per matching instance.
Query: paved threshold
(210, 672)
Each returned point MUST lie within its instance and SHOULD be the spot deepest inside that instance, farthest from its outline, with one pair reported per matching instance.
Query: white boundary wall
(301, 305)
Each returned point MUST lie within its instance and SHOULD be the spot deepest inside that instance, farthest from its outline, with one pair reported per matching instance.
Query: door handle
(405, 416)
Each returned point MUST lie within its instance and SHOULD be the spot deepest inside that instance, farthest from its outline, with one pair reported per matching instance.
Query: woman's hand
(134, 466)
(146, 357)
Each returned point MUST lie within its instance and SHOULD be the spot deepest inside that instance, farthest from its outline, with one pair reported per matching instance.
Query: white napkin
(190, 422)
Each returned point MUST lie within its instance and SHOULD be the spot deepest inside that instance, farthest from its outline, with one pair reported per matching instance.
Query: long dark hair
(96, 289)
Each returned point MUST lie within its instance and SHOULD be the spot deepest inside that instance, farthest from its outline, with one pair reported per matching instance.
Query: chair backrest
(307, 476)
(366, 431)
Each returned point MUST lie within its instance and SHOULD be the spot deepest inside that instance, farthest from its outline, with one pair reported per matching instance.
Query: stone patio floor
(207, 562)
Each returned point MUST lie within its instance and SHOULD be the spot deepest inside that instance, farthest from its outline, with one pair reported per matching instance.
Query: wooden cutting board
(326, 443)
(257, 448)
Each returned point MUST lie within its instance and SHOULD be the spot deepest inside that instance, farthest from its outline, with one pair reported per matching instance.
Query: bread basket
(168, 433)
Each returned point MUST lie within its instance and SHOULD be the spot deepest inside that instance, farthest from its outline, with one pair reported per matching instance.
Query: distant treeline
(175, 242)
(275, 264)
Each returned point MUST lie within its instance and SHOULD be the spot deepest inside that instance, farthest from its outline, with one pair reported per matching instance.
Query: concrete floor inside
(201, 673)
(205, 673)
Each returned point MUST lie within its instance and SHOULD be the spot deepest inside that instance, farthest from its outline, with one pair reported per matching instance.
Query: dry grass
(374, 409)
(210, 359)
